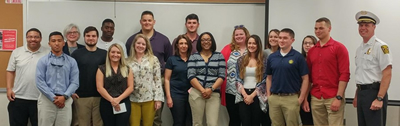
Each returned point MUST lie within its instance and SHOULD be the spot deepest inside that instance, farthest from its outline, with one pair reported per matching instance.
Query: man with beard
(106, 40)
(86, 98)
(57, 77)
(192, 24)
(21, 87)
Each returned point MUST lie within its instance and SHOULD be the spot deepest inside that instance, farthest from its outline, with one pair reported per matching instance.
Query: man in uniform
(373, 73)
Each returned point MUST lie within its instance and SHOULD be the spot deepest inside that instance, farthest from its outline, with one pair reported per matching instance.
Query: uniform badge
(363, 12)
(290, 61)
(369, 51)
(385, 49)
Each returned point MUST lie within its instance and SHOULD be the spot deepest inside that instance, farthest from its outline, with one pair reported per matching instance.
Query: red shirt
(328, 65)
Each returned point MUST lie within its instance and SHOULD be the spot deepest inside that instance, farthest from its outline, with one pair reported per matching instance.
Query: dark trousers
(250, 114)
(265, 119)
(366, 116)
(181, 113)
(20, 110)
(306, 117)
(233, 110)
(111, 119)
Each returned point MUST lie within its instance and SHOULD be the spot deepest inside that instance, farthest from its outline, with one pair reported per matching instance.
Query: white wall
(300, 15)
(219, 19)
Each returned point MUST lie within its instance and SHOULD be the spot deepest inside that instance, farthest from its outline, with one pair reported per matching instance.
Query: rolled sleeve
(344, 64)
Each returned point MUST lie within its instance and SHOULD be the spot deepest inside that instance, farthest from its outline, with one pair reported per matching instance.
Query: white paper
(122, 109)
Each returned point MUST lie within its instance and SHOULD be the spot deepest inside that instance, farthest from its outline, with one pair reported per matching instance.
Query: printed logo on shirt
(290, 61)
(385, 49)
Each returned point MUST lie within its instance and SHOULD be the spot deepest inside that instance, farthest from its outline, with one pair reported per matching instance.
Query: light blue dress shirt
(57, 75)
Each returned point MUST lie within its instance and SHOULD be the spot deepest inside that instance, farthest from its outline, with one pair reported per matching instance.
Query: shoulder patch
(385, 49)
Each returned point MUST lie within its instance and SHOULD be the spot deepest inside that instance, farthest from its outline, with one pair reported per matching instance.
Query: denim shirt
(260, 86)
(57, 75)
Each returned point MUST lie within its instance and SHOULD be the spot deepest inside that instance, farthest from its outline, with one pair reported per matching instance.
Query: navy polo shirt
(179, 84)
(286, 71)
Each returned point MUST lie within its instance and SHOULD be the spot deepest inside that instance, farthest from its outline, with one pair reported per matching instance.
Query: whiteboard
(219, 19)
(300, 15)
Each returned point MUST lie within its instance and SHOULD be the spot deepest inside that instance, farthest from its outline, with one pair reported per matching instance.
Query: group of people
(107, 82)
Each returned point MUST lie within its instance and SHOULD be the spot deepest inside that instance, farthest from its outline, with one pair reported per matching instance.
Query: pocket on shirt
(368, 59)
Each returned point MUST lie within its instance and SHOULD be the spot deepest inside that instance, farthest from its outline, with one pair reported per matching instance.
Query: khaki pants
(199, 106)
(322, 113)
(144, 111)
(50, 115)
(87, 111)
(284, 110)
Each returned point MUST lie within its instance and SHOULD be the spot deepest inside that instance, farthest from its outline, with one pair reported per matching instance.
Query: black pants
(306, 117)
(20, 110)
(250, 114)
(111, 119)
(366, 116)
(233, 110)
(181, 112)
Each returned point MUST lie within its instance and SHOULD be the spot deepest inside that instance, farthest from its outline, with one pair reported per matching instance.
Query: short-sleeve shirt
(371, 59)
(286, 71)
(23, 62)
(116, 84)
(179, 84)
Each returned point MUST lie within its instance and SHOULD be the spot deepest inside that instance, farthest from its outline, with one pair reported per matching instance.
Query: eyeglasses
(239, 26)
(32, 37)
(308, 43)
(208, 40)
(73, 32)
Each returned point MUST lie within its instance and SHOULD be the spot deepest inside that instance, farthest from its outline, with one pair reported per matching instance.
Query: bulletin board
(11, 18)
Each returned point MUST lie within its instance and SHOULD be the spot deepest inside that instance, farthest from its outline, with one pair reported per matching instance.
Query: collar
(195, 39)
(37, 51)
(290, 53)
(371, 41)
(53, 55)
(152, 37)
(329, 43)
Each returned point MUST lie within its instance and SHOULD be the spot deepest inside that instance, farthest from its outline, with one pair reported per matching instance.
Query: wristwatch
(379, 98)
(338, 97)
(65, 97)
(212, 89)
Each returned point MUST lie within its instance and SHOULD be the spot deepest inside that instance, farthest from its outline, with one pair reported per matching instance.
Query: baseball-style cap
(366, 17)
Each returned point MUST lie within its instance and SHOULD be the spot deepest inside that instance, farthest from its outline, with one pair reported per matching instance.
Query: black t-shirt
(88, 62)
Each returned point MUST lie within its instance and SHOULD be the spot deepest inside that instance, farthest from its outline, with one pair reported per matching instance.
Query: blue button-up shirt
(57, 75)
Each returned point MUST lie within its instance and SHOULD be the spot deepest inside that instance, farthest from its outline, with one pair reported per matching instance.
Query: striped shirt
(206, 73)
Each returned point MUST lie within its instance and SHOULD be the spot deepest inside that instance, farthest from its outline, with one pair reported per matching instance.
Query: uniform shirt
(160, 45)
(328, 65)
(179, 84)
(147, 80)
(105, 45)
(57, 75)
(286, 71)
(371, 59)
(206, 73)
(23, 63)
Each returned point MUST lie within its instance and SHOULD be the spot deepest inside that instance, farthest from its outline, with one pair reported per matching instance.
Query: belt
(374, 85)
(285, 94)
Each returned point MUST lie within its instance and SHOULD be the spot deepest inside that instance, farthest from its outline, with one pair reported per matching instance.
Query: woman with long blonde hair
(251, 83)
(114, 82)
(148, 94)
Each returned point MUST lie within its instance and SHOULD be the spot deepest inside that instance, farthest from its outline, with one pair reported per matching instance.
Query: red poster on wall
(8, 39)
(14, 1)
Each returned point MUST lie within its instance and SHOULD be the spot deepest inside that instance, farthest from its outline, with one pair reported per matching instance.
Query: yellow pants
(144, 111)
